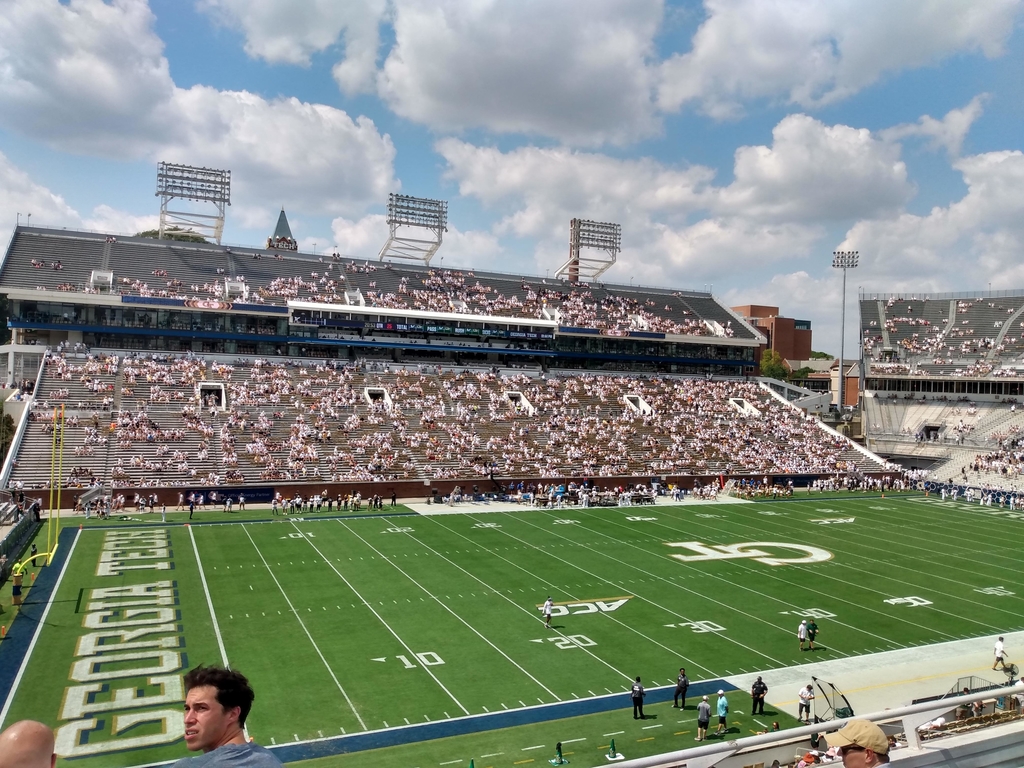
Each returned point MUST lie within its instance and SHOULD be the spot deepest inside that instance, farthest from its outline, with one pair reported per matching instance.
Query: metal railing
(22, 427)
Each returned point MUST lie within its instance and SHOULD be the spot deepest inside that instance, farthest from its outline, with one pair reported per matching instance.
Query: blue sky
(738, 142)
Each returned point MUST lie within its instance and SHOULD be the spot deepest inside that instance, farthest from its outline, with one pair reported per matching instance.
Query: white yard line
(35, 636)
(304, 629)
(379, 617)
(818, 574)
(647, 600)
(209, 600)
(621, 623)
(454, 613)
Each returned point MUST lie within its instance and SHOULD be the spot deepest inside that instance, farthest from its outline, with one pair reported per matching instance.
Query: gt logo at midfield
(755, 550)
(606, 605)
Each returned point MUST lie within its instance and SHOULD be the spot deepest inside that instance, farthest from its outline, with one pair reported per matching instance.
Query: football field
(374, 632)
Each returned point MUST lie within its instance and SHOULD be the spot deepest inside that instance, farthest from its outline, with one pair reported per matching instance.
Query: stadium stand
(187, 364)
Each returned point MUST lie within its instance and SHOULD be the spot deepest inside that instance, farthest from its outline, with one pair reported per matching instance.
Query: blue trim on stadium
(392, 737)
(308, 341)
(19, 635)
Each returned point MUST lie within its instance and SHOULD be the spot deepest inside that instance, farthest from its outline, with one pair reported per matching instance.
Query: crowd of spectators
(184, 420)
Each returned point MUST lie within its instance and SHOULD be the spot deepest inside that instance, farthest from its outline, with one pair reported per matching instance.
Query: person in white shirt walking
(1000, 653)
(804, 709)
(801, 633)
(546, 610)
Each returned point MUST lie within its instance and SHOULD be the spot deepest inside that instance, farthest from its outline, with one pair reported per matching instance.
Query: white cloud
(814, 172)
(547, 187)
(107, 219)
(364, 237)
(814, 53)
(283, 31)
(85, 76)
(948, 133)
(577, 70)
(972, 241)
(90, 77)
(677, 225)
(19, 194)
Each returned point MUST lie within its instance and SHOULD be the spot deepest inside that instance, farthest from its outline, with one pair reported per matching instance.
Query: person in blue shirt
(723, 711)
(217, 701)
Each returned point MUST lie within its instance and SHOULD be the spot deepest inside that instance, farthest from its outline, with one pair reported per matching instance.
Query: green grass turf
(307, 607)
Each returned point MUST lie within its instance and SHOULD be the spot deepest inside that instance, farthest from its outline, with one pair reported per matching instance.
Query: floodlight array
(602, 235)
(191, 183)
(405, 210)
(845, 259)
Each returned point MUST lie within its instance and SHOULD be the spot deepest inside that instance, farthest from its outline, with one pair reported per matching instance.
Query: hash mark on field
(575, 696)
(520, 762)
(271, 738)
(573, 741)
(648, 727)
(609, 690)
(647, 738)
(386, 724)
(540, 699)
(450, 762)
(504, 707)
(342, 731)
(486, 710)
(407, 721)
(447, 715)
(321, 734)
(493, 754)
(680, 733)
(295, 736)
(539, 746)
(617, 733)
(521, 704)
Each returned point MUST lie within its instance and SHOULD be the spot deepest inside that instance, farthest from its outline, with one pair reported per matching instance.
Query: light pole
(843, 260)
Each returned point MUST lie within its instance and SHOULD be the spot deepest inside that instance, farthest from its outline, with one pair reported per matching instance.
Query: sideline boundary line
(39, 625)
(492, 721)
(209, 600)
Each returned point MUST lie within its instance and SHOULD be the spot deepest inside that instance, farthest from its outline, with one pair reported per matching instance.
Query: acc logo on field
(754, 550)
(607, 605)
(997, 591)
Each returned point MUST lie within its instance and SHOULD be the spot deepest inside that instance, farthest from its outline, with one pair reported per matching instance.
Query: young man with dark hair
(217, 701)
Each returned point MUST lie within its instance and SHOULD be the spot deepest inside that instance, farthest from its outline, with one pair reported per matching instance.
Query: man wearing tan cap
(861, 743)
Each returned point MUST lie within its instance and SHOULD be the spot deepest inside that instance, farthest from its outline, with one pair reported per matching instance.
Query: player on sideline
(703, 719)
(637, 694)
(682, 683)
(546, 610)
(1000, 653)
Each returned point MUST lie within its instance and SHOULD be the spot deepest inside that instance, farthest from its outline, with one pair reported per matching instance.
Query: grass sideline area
(384, 621)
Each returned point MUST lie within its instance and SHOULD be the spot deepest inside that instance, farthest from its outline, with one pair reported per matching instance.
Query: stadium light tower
(843, 260)
(421, 213)
(600, 236)
(202, 185)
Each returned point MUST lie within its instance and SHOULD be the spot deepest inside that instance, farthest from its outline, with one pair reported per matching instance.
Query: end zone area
(369, 633)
